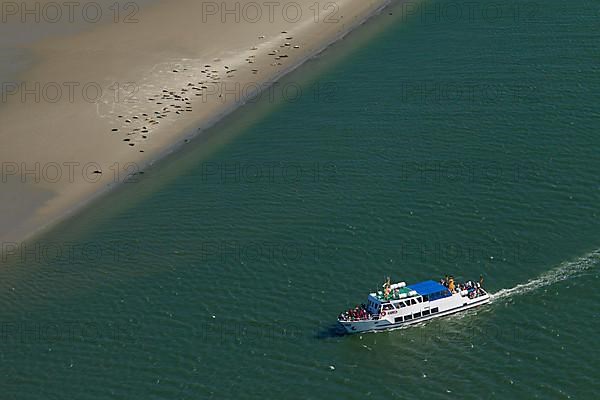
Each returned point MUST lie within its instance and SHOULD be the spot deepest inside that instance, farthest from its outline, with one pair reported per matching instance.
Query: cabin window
(419, 299)
(417, 315)
(401, 304)
(407, 317)
(398, 319)
(434, 310)
(387, 307)
(425, 312)
(413, 301)
(425, 298)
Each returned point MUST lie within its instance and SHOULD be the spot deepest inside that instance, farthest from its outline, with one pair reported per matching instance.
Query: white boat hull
(395, 319)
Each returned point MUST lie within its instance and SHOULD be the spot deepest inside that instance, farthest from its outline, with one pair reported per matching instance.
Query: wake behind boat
(399, 305)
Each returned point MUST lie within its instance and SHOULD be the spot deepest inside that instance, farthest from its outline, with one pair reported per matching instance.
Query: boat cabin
(412, 300)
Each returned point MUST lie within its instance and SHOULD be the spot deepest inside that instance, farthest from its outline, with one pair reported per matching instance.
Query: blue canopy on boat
(428, 287)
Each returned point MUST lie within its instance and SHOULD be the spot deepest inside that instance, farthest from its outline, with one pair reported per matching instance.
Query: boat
(399, 305)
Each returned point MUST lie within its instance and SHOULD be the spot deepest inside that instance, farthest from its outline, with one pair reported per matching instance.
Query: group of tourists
(473, 288)
(357, 313)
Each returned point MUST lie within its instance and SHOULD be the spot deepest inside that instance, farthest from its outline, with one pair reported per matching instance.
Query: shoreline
(180, 135)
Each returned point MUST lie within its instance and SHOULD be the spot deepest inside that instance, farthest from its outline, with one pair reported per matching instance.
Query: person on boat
(387, 287)
(451, 284)
(445, 280)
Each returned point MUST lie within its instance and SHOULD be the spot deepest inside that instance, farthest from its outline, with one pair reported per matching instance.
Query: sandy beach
(99, 105)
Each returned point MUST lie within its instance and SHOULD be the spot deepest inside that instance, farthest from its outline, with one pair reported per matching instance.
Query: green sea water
(425, 143)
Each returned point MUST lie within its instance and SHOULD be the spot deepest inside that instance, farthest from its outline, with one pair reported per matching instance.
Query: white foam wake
(565, 270)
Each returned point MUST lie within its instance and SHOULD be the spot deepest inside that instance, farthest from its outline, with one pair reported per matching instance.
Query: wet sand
(102, 104)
